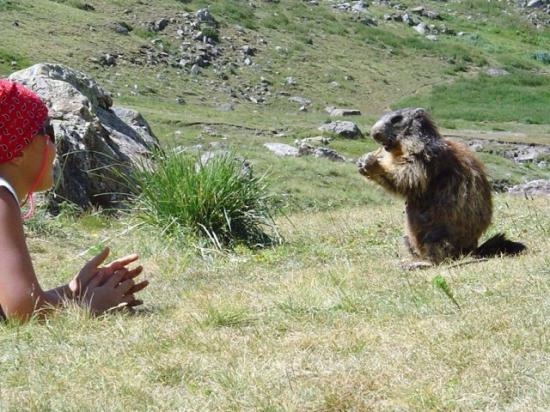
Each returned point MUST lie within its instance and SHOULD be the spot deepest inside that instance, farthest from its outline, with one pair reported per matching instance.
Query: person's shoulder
(8, 204)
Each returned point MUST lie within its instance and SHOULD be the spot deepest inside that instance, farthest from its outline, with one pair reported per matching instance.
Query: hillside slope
(238, 75)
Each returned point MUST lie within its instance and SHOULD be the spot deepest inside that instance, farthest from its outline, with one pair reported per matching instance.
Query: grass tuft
(219, 200)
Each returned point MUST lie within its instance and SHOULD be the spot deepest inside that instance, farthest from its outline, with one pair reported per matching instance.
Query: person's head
(27, 148)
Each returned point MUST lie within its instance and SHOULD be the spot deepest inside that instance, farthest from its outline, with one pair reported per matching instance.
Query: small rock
(315, 141)
(333, 111)
(535, 4)
(159, 25)
(248, 50)
(290, 81)
(420, 28)
(495, 72)
(302, 101)
(342, 128)
(195, 70)
(281, 149)
(225, 107)
(431, 37)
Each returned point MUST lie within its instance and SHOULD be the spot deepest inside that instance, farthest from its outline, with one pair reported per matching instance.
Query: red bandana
(22, 115)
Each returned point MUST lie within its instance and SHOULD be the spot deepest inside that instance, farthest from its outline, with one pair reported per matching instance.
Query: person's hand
(93, 271)
(106, 291)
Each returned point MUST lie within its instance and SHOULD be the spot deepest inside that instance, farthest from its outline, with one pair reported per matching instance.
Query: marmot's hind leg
(410, 248)
(436, 246)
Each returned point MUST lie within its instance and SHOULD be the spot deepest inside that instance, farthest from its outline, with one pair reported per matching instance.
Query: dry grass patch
(326, 321)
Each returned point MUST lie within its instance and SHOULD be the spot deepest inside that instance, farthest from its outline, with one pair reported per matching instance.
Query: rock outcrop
(96, 142)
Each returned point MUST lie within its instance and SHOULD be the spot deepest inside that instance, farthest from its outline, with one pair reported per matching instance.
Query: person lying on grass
(27, 153)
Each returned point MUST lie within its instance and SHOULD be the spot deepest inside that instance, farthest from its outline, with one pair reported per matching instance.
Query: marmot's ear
(419, 112)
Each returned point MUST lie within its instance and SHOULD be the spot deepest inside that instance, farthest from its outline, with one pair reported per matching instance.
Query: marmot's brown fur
(448, 196)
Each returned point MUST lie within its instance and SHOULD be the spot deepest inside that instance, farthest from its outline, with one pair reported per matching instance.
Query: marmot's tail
(498, 245)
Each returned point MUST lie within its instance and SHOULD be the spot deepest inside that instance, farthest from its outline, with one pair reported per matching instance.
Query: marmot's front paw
(366, 163)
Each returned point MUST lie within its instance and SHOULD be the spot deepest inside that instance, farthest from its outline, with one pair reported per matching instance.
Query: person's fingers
(137, 287)
(115, 278)
(125, 286)
(98, 259)
(131, 301)
(133, 273)
(135, 302)
(122, 262)
(96, 280)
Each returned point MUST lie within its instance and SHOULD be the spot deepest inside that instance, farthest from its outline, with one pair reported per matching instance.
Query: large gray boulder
(97, 143)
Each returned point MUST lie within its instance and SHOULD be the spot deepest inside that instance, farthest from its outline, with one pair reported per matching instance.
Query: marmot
(448, 196)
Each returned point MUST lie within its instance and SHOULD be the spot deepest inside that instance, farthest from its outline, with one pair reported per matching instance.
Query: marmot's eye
(396, 119)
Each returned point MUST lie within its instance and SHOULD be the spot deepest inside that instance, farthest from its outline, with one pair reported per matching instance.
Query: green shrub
(220, 201)
(211, 33)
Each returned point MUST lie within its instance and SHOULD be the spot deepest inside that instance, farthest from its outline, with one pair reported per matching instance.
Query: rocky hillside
(248, 73)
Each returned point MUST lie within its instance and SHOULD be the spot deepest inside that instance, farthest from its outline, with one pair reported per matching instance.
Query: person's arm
(20, 293)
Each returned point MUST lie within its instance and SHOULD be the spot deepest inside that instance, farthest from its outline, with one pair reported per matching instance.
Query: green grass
(6, 5)
(220, 200)
(78, 4)
(522, 97)
(326, 321)
(10, 61)
(236, 12)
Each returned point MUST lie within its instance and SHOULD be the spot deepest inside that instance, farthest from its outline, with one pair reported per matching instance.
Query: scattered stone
(431, 37)
(248, 50)
(302, 101)
(122, 28)
(420, 28)
(495, 72)
(369, 21)
(517, 152)
(313, 141)
(158, 25)
(281, 149)
(534, 188)
(534, 4)
(290, 81)
(204, 16)
(195, 70)
(105, 60)
(333, 111)
(342, 128)
(305, 149)
(329, 154)
(407, 19)
(225, 107)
